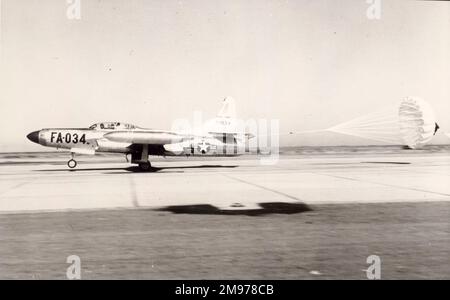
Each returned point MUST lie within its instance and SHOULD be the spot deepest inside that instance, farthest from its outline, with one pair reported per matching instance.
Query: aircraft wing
(89, 151)
(89, 148)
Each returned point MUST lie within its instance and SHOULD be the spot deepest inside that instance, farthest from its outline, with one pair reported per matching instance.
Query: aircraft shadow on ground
(135, 169)
(265, 209)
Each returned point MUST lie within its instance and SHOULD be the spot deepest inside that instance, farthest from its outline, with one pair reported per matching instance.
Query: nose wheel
(72, 163)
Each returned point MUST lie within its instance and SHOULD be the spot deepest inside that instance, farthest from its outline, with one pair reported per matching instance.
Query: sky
(308, 64)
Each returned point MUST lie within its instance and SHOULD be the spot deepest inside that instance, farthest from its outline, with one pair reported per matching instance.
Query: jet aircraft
(218, 138)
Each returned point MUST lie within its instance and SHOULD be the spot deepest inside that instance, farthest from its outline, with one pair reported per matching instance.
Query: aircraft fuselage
(138, 142)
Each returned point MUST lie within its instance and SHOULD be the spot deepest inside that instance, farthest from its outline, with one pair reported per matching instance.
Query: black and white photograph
(217, 141)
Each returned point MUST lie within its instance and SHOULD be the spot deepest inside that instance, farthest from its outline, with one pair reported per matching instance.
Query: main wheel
(72, 163)
(145, 166)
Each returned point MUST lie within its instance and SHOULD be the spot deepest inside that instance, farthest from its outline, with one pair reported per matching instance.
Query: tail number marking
(74, 138)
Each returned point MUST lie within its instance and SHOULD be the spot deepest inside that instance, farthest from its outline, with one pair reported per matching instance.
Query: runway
(109, 182)
(309, 215)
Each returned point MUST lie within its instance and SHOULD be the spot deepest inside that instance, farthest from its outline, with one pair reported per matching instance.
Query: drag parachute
(417, 122)
(412, 123)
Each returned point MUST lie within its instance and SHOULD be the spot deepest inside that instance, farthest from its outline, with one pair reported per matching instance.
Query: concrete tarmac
(305, 216)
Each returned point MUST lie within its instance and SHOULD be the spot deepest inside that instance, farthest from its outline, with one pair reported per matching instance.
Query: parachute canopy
(417, 122)
(413, 123)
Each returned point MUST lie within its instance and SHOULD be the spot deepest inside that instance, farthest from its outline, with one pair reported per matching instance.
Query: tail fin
(226, 127)
(228, 109)
(225, 122)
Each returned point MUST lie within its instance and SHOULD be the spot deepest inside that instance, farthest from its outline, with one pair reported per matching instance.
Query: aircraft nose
(34, 137)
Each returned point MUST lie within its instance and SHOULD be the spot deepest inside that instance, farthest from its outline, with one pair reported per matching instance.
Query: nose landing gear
(72, 163)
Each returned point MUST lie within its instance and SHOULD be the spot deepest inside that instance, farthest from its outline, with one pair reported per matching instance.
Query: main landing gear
(72, 163)
(145, 166)
(141, 159)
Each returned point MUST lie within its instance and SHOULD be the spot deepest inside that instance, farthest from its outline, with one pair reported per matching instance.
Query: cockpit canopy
(112, 126)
